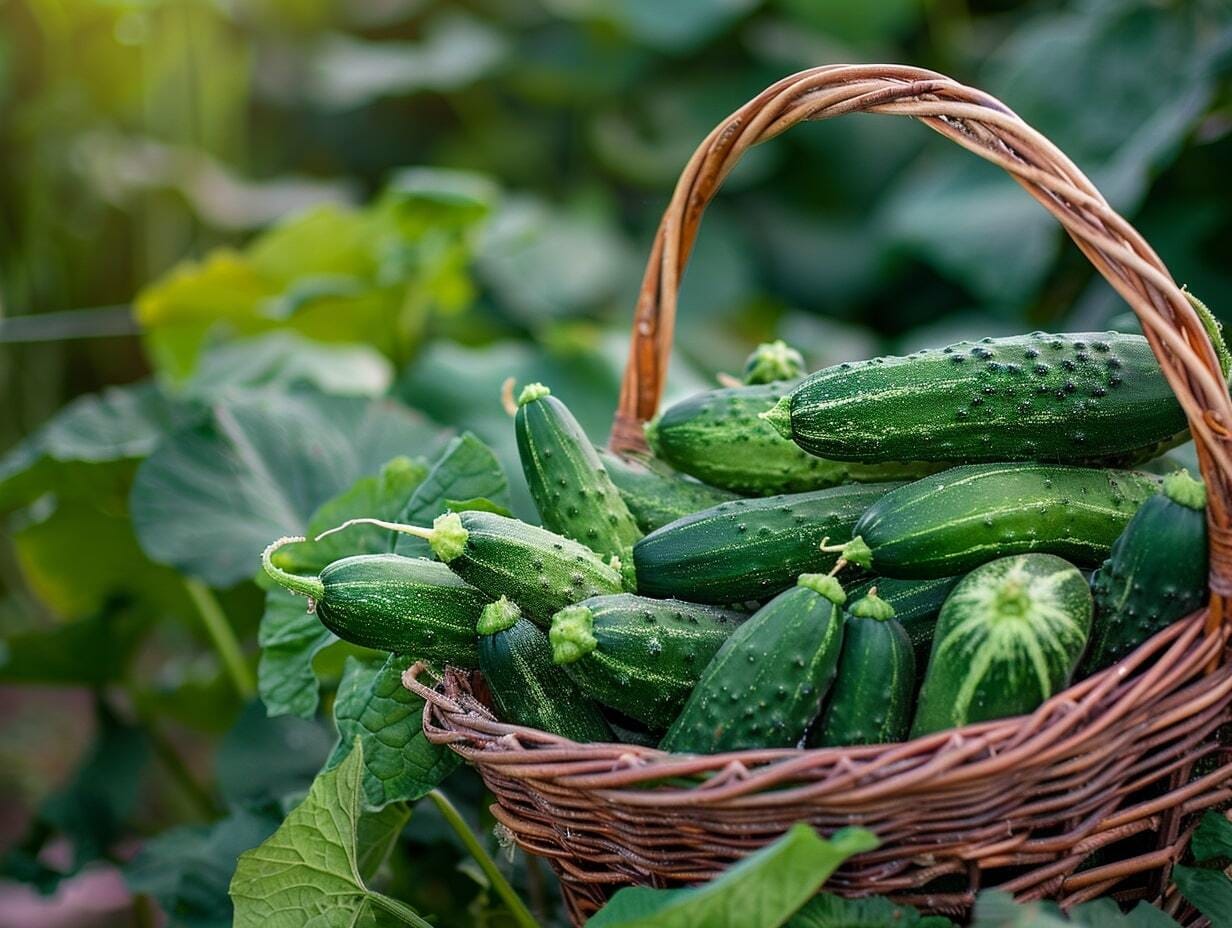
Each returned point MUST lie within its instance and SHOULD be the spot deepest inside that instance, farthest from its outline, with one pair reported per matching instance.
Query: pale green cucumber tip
(826, 586)
(779, 416)
(872, 606)
(532, 392)
(572, 634)
(858, 552)
(771, 361)
(1185, 490)
(498, 616)
(449, 536)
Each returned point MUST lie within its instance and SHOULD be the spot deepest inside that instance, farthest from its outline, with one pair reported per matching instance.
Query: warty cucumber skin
(916, 604)
(953, 521)
(750, 549)
(767, 682)
(655, 495)
(720, 438)
(571, 488)
(1067, 398)
(647, 654)
(1008, 638)
(407, 605)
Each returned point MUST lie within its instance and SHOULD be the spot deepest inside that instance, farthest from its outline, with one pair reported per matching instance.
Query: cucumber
(766, 683)
(750, 549)
(1156, 574)
(950, 522)
(655, 494)
(528, 689)
(771, 361)
(916, 604)
(1007, 639)
(407, 605)
(571, 489)
(639, 656)
(719, 438)
(1071, 398)
(538, 569)
(872, 699)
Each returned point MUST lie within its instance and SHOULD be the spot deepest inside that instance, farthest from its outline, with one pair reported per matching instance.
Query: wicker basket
(1094, 793)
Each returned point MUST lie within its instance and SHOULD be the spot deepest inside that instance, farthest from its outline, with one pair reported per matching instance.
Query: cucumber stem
(855, 551)
(417, 531)
(447, 536)
(1184, 490)
(779, 416)
(824, 585)
(223, 636)
(498, 616)
(872, 606)
(312, 587)
(572, 634)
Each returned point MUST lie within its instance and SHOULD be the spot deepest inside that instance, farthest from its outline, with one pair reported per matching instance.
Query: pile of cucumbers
(881, 550)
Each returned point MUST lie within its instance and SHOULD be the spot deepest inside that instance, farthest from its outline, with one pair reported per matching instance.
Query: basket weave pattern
(1092, 793)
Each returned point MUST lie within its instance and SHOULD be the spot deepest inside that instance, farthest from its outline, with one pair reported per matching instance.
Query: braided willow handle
(987, 127)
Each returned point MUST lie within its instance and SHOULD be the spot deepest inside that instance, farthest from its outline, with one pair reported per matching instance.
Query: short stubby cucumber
(720, 438)
(407, 605)
(766, 684)
(657, 495)
(1008, 638)
(641, 657)
(916, 605)
(569, 484)
(963, 517)
(771, 361)
(750, 549)
(539, 570)
(1156, 574)
(1070, 398)
(516, 659)
(872, 699)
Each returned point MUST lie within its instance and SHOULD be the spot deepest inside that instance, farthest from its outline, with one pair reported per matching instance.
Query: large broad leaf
(91, 652)
(1208, 891)
(213, 496)
(827, 910)
(994, 909)
(1212, 840)
(262, 760)
(290, 637)
(312, 870)
(762, 891)
(374, 709)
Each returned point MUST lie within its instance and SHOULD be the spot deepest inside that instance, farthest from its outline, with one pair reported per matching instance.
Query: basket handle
(984, 125)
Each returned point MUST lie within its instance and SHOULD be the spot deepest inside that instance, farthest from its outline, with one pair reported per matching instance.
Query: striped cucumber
(530, 690)
(771, 361)
(750, 549)
(963, 517)
(571, 489)
(407, 605)
(1072, 398)
(719, 438)
(872, 699)
(655, 494)
(1008, 638)
(766, 683)
(916, 604)
(1156, 574)
(639, 656)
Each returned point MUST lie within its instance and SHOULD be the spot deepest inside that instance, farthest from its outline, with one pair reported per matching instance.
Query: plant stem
(517, 908)
(223, 637)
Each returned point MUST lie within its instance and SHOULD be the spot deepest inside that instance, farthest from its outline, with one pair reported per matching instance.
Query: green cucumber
(538, 569)
(871, 701)
(1156, 574)
(750, 549)
(916, 604)
(655, 494)
(719, 438)
(639, 656)
(1071, 398)
(766, 684)
(1008, 638)
(771, 361)
(408, 605)
(963, 517)
(528, 689)
(571, 489)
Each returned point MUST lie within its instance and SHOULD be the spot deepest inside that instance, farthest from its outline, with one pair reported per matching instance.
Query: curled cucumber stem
(415, 530)
(312, 587)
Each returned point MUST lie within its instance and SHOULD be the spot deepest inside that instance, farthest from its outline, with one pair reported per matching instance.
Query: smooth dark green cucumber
(916, 604)
(1069, 398)
(1008, 638)
(655, 494)
(1156, 574)
(528, 688)
(766, 684)
(639, 656)
(771, 361)
(750, 549)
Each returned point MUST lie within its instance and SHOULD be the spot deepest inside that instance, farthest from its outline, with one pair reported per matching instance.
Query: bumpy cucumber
(530, 690)
(655, 494)
(408, 605)
(1156, 574)
(1008, 638)
(539, 570)
(916, 605)
(871, 701)
(767, 682)
(639, 656)
(571, 489)
(1085, 397)
(750, 549)
(771, 361)
(963, 517)
(719, 438)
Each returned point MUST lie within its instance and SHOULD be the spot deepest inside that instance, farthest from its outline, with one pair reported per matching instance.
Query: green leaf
(996, 909)
(1212, 839)
(89, 652)
(290, 638)
(1208, 891)
(309, 871)
(761, 891)
(187, 869)
(827, 910)
(374, 709)
(262, 760)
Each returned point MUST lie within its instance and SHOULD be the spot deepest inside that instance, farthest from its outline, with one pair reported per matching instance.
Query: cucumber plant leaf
(826, 910)
(1208, 891)
(1212, 839)
(261, 760)
(90, 652)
